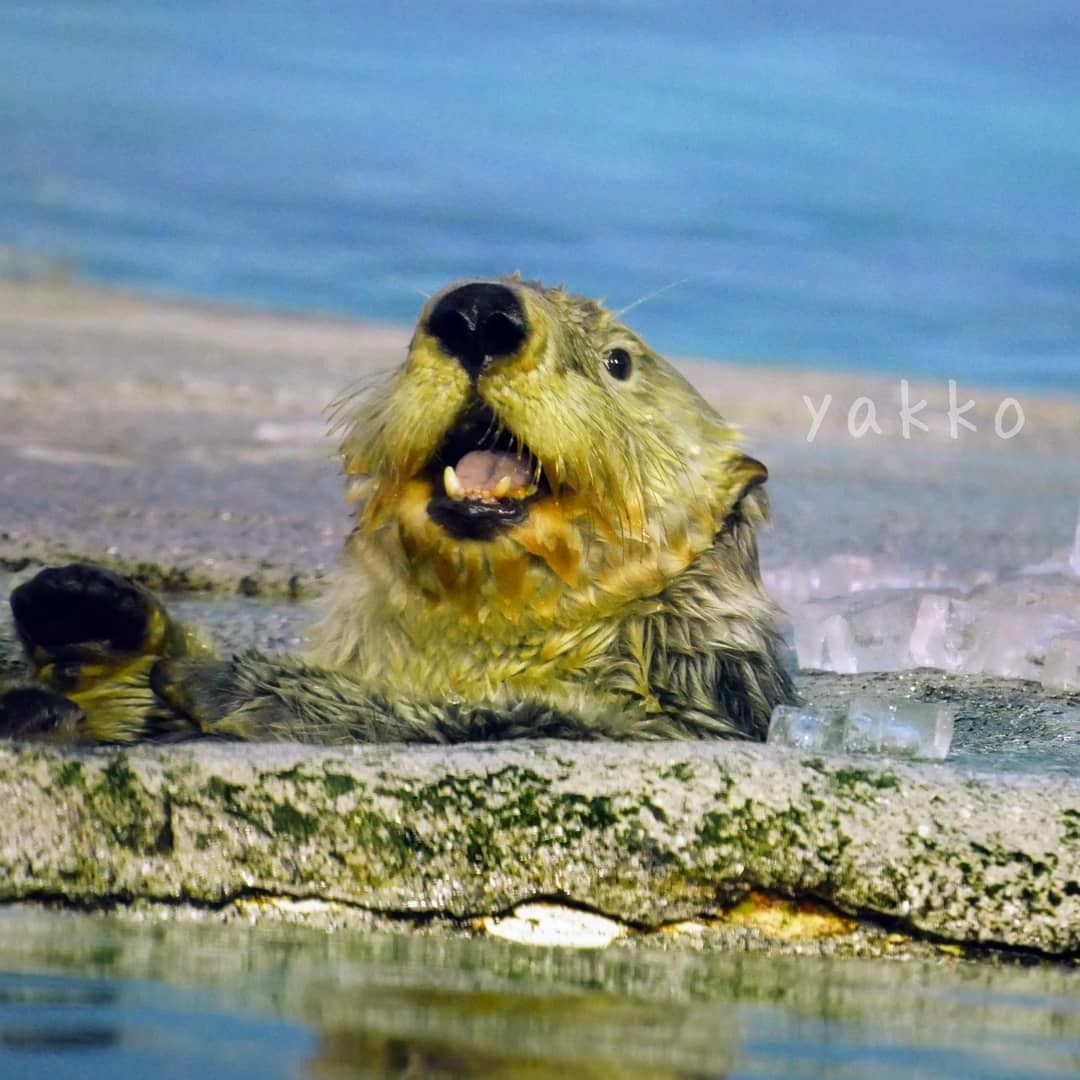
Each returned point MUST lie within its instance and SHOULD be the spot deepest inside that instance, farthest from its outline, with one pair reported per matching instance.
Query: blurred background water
(867, 183)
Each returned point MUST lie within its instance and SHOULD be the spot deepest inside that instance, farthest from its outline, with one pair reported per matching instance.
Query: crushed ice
(851, 614)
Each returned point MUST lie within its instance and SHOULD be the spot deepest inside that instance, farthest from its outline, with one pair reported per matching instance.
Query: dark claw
(32, 712)
(80, 603)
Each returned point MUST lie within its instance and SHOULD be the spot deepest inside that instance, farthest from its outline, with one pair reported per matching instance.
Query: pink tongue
(483, 469)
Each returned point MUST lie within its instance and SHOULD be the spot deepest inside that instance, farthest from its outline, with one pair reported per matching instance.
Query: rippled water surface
(92, 997)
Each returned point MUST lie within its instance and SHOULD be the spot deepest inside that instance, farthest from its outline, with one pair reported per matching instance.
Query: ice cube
(804, 728)
(818, 634)
(903, 729)
(868, 631)
(937, 634)
(1012, 644)
(838, 651)
(909, 729)
(1009, 625)
(1000, 629)
(1061, 669)
(881, 631)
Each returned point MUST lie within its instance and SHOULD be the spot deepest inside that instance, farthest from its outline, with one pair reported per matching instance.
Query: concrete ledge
(648, 834)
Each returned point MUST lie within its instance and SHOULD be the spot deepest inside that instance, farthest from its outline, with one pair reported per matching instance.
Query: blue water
(54, 1026)
(93, 998)
(893, 185)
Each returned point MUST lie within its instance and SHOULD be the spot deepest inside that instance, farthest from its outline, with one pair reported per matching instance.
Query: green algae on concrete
(647, 834)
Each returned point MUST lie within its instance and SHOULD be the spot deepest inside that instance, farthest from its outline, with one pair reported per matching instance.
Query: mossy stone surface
(649, 834)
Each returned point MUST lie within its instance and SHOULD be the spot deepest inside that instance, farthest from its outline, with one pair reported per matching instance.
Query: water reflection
(99, 1028)
(93, 997)
(43, 1014)
(514, 1033)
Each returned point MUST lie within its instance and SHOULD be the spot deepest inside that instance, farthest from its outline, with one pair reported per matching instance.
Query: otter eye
(618, 364)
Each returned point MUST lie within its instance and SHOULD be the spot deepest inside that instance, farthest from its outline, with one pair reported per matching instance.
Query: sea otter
(554, 536)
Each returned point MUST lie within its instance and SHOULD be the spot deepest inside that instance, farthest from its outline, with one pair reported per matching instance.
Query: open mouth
(483, 477)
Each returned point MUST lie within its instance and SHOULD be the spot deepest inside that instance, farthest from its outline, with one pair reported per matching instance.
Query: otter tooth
(502, 488)
(452, 484)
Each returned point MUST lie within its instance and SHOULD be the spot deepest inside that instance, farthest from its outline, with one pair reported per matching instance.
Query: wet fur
(628, 604)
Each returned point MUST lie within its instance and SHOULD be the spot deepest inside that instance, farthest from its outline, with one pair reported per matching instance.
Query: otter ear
(742, 476)
(747, 474)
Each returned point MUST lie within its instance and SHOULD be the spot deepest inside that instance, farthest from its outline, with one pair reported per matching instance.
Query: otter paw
(203, 691)
(84, 612)
(32, 712)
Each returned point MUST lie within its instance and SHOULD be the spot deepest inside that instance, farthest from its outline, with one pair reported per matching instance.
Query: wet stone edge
(646, 834)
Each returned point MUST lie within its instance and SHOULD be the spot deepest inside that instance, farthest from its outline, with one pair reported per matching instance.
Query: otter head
(533, 458)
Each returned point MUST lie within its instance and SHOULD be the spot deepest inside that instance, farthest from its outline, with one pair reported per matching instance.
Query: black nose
(478, 323)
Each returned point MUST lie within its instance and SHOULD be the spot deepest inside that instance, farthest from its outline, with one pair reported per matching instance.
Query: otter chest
(480, 654)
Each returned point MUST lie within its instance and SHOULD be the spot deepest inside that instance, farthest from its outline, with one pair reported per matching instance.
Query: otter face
(532, 450)
(487, 475)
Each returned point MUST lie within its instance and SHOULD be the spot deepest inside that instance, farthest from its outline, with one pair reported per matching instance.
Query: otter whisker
(396, 279)
(657, 292)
